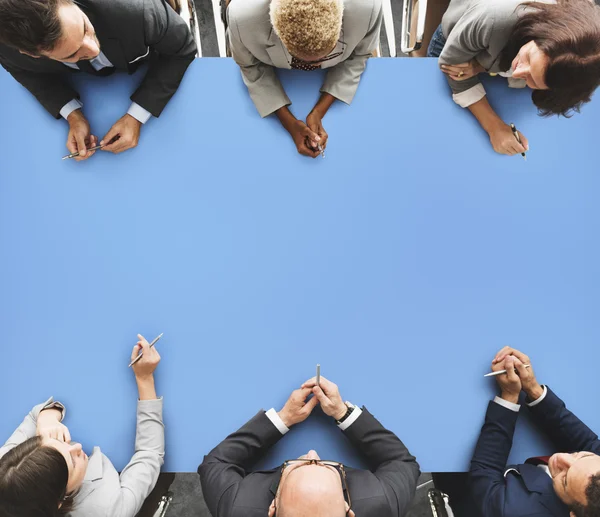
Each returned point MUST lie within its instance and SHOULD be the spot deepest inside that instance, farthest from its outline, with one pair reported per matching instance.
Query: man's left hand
(124, 135)
(297, 409)
(315, 122)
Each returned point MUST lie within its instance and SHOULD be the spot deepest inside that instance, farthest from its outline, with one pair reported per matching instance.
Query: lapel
(277, 52)
(537, 481)
(109, 43)
(94, 473)
(275, 485)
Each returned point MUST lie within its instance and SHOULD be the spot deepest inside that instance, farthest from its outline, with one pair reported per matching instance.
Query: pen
(514, 130)
(319, 375)
(500, 372)
(141, 353)
(75, 155)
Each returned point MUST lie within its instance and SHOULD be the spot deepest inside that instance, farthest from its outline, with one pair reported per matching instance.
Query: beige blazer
(104, 492)
(258, 50)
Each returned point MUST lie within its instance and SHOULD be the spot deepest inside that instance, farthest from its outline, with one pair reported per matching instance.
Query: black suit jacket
(130, 32)
(231, 490)
(523, 490)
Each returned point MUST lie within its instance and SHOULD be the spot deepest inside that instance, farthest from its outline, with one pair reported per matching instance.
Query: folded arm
(262, 82)
(487, 485)
(28, 428)
(342, 80)
(51, 90)
(388, 459)
(568, 432)
(141, 473)
(172, 49)
(229, 462)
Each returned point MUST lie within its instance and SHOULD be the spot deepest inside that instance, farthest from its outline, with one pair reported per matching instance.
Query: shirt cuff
(137, 112)
(542, 397)
(508, 405)
(470, 96)
(351, 419)
(70, 107)
(276, 420)
(52, 404)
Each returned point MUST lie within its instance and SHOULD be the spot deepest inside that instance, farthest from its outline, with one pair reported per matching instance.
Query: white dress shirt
(100, 62)
(283, 429)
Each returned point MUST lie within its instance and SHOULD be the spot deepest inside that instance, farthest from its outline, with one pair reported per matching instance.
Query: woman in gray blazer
(553, 47)
(337, 35)
(44, 474)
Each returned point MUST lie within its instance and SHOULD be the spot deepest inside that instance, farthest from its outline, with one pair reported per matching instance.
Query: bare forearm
(485, 115)
(324, 103)
(146, 388)
(286, 117)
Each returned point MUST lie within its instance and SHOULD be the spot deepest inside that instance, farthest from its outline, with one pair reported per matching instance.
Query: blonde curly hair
(307, 28)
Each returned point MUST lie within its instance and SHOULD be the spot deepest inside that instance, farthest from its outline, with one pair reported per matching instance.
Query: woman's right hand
(144, 368)
(504, 142)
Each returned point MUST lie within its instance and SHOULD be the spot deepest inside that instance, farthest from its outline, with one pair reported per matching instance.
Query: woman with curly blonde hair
(337, 35)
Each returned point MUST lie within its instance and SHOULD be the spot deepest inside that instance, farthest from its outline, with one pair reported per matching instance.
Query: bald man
(309, 485)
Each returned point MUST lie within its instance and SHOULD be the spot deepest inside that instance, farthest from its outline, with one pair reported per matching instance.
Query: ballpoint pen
(516, 134)
(500, 372)
(141, 353)
(319, 375)
(75, 155)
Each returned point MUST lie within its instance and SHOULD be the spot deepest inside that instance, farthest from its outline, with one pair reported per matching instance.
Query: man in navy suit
(566, 484)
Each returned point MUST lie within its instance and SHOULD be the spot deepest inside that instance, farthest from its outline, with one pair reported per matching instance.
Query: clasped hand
(518, 377)
(300, 404)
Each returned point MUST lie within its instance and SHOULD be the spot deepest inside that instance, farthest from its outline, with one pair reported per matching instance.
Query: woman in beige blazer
(337, 35)
(44, 474)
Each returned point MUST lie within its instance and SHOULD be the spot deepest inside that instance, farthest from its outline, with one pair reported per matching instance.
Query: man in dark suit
(566, 484)
(309, 486)
(42, 41)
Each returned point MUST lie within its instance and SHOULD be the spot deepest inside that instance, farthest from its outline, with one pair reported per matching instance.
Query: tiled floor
(205, 21)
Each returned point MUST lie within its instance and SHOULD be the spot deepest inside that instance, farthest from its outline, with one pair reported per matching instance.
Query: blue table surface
(401, 262)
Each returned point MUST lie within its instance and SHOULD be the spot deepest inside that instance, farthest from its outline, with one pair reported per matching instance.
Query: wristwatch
(348, 413)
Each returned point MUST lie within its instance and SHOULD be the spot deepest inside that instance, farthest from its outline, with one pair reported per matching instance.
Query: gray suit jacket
(258, 50)
(104, 492)
(478, 29)
(130, 32)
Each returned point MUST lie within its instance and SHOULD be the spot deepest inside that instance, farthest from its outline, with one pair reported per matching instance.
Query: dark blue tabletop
(401, 262)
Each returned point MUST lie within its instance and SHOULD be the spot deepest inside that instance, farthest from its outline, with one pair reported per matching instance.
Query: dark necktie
(298, 64)
(538, 460)
(86, 66)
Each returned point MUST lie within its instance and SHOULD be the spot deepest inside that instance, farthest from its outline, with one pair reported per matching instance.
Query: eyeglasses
(329, 57)
(322, 463)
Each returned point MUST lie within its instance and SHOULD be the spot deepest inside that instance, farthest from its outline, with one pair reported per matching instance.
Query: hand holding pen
(519, 375)
(521, 139)
(146, 355)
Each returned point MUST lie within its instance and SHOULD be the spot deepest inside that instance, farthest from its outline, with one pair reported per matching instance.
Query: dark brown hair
(32, 26)
(568, 32)
(592, 493)
(33, 481)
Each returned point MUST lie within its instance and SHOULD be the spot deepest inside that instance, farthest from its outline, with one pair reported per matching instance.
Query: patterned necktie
(297, 64)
